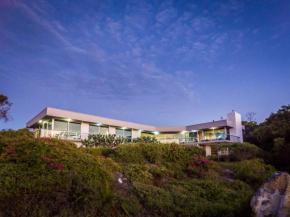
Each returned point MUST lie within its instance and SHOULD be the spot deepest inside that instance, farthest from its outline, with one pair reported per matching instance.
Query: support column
(85, 130)
(207, 150)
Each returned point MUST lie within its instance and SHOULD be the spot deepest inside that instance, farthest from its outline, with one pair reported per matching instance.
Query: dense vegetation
(273, 137)
(49, 177)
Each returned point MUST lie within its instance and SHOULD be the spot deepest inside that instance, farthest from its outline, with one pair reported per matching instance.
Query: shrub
(253, 172)
(49, 177)
(156, 153)
(137, 173)
(198, 166)
(145, 139)
(239, 151)
(105, 141)
(106, 152)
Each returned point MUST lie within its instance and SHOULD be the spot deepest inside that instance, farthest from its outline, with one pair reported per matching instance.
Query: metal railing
(204, 139)
(71, 135)
(76, 135)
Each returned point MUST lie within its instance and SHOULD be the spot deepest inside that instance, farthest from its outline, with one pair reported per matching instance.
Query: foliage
(48, 177)
(277, 125)
(5, 106)
(145, 139)
(248, 132)
(253, 172)
(239, 151)
(156, 153)
(269, 135)
(137, 173)
(198, 166)
(105, 141)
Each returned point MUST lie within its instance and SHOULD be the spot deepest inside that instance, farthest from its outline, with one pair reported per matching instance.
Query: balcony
(202, 140)
(70, 135)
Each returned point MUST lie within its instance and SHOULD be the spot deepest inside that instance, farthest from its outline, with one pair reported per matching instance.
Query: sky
(163, 63)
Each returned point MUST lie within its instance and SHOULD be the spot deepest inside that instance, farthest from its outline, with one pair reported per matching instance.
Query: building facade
(74, 126)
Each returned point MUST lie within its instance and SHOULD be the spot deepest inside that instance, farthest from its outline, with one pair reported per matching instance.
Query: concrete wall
(136, 134)
(234, 119)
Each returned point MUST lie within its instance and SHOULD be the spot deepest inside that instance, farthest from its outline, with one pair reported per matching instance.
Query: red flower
(44, 159)
(51, 164)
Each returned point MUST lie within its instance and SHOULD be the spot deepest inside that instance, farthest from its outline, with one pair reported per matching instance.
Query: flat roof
(81, 117)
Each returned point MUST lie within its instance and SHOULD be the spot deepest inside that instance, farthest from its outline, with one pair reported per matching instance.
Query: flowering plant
(198, 166)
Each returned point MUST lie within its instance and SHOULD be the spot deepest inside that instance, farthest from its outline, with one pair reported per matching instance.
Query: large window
(98, 130)
(94, 129)
(74, 127)
(124, 133)
(104, 130)
(60, 125)
(214, 134)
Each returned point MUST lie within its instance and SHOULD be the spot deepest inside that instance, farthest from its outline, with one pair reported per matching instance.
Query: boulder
(273, 196)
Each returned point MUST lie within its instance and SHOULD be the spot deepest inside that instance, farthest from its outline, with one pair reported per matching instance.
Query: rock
(229, 174)
(273, 196)
(121, 183)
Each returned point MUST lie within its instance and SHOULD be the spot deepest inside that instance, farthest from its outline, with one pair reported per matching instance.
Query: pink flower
(44, 159)
(51, 164)
(59, 167)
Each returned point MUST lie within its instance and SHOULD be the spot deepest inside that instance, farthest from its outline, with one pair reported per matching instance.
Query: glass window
(119, 132)
(74, 127)
(128, 133)
(60, 125)
(94, 129)
(104, 130)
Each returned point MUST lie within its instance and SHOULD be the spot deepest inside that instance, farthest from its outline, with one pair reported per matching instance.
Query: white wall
(136, 134)
(207, 150)
(235, 120)
(84, 130)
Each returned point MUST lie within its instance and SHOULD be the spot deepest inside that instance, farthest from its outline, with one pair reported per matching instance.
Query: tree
(5, 106)
(277, 125)
(251, 116)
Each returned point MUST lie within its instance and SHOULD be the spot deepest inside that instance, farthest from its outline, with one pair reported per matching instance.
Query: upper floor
(75, 126)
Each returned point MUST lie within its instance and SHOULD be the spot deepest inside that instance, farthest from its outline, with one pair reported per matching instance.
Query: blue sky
(152, 62)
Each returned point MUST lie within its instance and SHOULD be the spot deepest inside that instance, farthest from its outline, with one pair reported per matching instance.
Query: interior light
(156, 132)
(69, 119)
(99, 124)
(124, 128)
(40, 121)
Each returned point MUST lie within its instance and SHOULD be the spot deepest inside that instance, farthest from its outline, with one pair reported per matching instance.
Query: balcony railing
(204, 139)
(71, 135)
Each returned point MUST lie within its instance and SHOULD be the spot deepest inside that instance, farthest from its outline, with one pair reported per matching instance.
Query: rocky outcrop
(273, 197)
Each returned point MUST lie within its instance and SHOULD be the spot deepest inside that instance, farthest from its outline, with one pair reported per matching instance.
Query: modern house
(74, 126)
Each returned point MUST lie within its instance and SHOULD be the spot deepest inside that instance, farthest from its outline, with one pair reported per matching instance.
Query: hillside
(49, 177)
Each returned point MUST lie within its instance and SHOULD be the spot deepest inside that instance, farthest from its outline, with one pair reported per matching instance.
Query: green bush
(106, 152)
(137, 173)
(145, 139)
(253, 172)
(48, 177)
(239, 151)
(105, 141)
(156, 153)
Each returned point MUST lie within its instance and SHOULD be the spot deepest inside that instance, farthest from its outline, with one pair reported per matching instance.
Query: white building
(75, 126)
